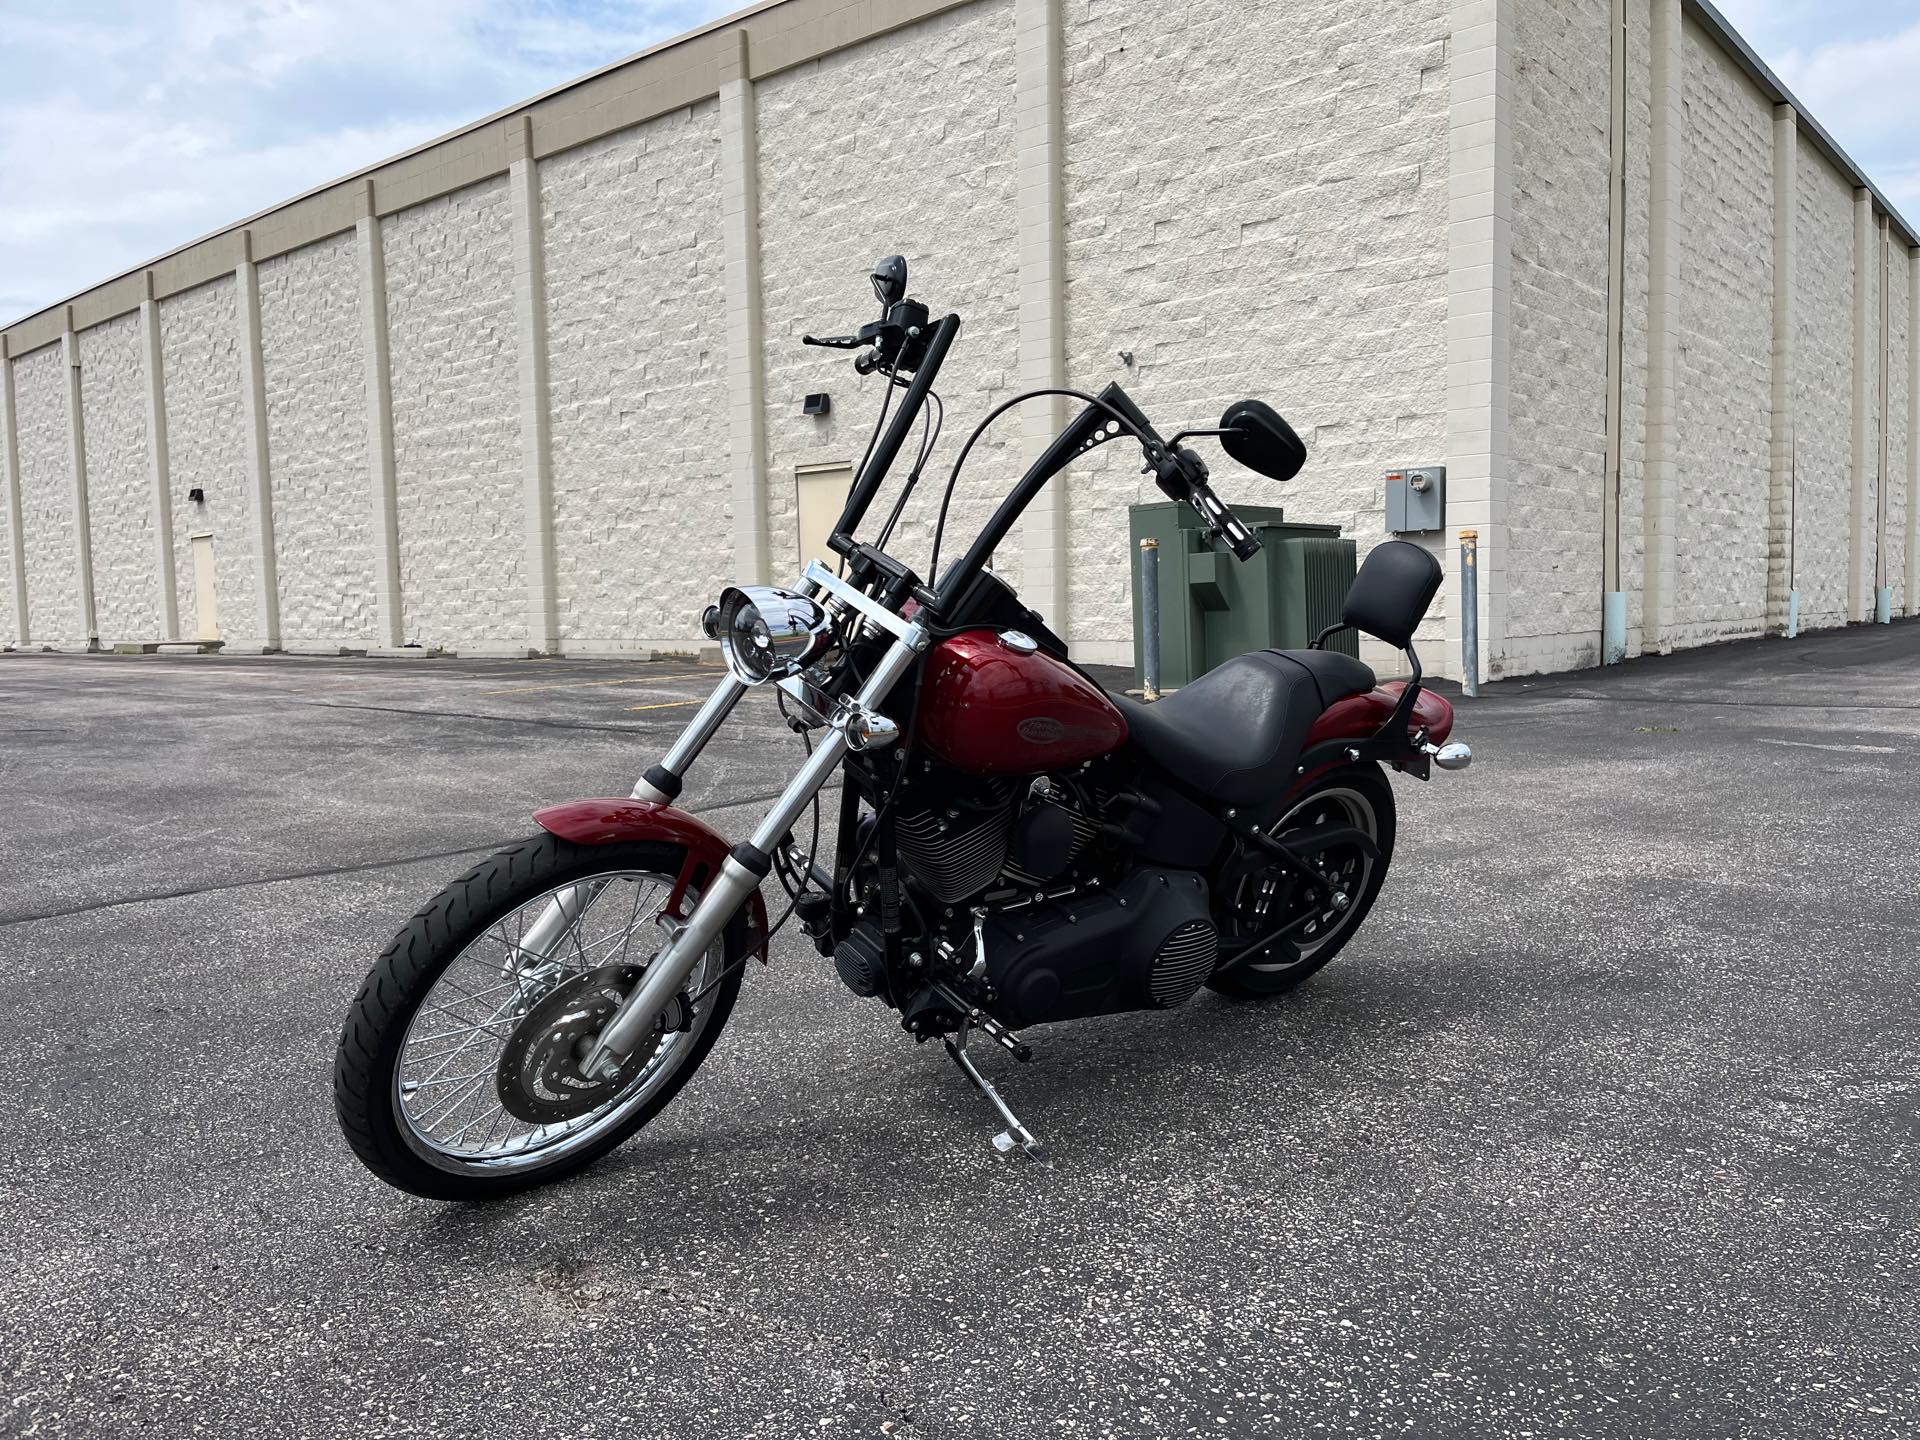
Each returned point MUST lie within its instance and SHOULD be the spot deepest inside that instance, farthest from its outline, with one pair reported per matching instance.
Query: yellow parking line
(669, 704)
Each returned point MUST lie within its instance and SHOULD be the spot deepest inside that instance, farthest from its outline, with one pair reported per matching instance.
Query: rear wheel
(458, 1073)
(1297, 935)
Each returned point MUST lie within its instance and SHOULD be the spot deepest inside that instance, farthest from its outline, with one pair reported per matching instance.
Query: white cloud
(131, 128)
(1853, 65)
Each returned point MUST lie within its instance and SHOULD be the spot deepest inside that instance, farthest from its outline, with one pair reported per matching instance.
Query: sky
(130, 127)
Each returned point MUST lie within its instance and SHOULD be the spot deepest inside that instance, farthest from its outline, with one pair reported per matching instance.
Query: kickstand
(1016, 1137)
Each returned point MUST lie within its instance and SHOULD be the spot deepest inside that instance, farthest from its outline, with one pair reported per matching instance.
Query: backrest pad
(1390, 594)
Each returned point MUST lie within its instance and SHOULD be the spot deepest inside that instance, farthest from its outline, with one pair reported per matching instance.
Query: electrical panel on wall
(1416, 499)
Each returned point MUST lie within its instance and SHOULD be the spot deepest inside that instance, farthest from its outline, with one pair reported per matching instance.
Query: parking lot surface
(1604, 1125)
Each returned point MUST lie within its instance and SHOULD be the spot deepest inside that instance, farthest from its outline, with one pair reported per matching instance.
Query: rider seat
(1235, 733)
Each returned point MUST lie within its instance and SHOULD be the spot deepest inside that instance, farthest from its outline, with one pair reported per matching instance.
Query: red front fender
(612, 821)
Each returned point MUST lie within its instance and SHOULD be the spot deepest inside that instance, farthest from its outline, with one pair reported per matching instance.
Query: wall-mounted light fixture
(197, 495)
(820, 404)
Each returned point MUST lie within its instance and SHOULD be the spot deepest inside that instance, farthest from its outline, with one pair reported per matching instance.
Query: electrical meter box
(1416, 499)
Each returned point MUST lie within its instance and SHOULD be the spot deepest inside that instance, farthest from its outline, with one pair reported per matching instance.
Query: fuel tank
(994, 704)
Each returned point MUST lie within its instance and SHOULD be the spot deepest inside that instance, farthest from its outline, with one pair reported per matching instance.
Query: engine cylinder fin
(958, 855)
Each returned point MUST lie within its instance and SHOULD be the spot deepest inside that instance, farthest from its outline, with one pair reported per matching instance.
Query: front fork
(749, 863)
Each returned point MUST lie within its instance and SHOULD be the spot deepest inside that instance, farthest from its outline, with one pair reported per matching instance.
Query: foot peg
(1016, 1138)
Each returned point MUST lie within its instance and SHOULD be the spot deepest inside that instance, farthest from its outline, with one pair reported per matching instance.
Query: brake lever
(833, 342)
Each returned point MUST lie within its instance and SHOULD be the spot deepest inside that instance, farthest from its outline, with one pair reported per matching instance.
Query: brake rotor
(539, 1078)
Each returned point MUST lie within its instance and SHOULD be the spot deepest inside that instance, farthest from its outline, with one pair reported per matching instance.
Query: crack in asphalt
(149, 897)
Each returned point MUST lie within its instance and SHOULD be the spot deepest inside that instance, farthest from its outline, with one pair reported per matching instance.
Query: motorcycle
(1014, 846)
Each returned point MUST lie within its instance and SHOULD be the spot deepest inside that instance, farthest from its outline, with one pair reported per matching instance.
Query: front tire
(1359, 797)
(456, 989)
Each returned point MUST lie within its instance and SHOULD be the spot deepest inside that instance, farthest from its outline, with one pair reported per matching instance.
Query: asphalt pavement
(1604, 1126)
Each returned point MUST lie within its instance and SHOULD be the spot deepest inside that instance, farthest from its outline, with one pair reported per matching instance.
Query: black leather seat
(1235, 733)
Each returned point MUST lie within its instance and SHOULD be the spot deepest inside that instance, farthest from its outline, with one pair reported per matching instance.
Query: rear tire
(456, 925)
(1359, 796)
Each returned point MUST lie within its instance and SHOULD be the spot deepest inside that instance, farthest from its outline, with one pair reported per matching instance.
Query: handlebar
(901, 338)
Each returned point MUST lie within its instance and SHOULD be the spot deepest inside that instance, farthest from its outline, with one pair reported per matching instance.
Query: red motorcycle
(1013, 847)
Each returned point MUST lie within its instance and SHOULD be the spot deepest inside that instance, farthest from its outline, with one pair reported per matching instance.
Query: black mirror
(890, 281)
(1261, 440)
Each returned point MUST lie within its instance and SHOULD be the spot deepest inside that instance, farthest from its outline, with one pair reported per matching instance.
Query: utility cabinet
(1213, 607)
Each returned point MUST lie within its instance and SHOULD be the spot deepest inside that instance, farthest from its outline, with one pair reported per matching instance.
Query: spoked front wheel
(459, 1070)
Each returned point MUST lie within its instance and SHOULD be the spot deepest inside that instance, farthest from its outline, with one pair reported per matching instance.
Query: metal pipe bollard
(1150, 619)
(1470, 611)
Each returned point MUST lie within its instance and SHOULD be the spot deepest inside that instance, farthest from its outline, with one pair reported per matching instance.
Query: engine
(1067, 927)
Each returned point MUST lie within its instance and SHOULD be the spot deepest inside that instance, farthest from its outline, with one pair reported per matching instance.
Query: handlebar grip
(1223, 522)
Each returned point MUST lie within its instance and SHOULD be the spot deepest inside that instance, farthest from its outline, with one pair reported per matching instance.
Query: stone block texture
(47, 524)
(636, 371)
(1893, 570)
(1254, 199)
(1823, 390)
(113, 390)
(1255, 204)
(316, 388)
(200, 360)
(456, 438)
(1558, 426)
(1725, 376)
(936, 183)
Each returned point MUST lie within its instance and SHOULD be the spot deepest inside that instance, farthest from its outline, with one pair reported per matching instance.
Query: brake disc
(539, 1078)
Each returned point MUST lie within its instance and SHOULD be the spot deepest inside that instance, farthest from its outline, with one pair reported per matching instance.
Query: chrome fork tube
(707, 719)
(667, 973)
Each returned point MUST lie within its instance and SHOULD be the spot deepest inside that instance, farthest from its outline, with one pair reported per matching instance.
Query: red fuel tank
(994, 707)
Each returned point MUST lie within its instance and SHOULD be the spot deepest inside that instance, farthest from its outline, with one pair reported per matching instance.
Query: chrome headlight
(765, 632)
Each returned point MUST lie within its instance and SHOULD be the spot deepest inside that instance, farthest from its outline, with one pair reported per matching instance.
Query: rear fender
(623, 820)
(1359, 717)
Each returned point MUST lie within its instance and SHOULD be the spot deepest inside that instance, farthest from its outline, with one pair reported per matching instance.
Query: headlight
(765, 632)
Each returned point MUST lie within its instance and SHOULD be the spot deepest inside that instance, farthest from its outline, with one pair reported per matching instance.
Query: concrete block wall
(47, 521)
(636, 323)
(126, 577)
(1719, 419)
(457, 476)
(1256, 204)
(1559, 340)
(932, 177)
(1899, 409)
(1724, 372)
(317, 445)
(1823, 390)
(538, 386)
(200, 362)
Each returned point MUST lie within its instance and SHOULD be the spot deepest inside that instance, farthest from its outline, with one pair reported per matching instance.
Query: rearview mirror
(890, 281)
(1261, 440)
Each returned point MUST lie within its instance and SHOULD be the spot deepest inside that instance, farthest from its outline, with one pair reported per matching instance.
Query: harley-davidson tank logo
(1042, 730)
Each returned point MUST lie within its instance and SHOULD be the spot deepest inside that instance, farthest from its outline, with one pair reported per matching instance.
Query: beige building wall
(1724, 375)
(47, 522)
(636, 356)
(1241, 233)
(1823, 390)
(1559, 344)
(126, 577)
(317, 446)
(575, 327)
(846, 177)
(200, 360)
(455, 426)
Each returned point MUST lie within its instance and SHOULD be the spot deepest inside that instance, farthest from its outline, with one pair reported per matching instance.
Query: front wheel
(457, 1076)
(1290, 936)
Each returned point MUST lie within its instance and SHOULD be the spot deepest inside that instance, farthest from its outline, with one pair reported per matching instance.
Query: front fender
(615, 821)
